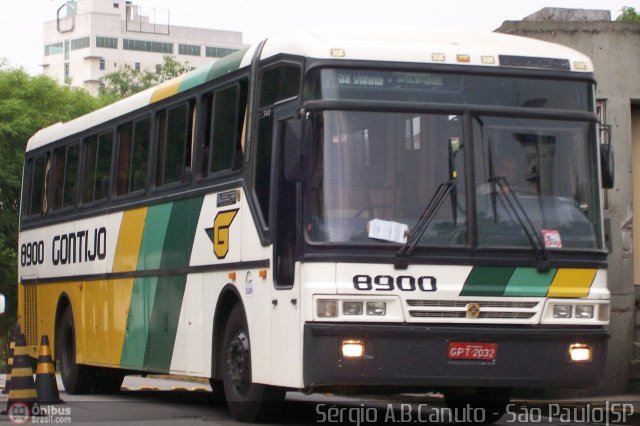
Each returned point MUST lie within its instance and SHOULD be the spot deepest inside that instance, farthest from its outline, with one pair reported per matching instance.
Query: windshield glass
(551, 172)
(376, 172)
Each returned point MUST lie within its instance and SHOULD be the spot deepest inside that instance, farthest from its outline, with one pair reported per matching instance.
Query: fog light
(352, 308)
(376, 308)
(580, 352)
(562, 311)
(327, 308)
(584, 311)
(352, 348)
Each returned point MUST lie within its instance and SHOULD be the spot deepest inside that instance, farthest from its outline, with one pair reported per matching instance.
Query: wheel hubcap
(239, 363)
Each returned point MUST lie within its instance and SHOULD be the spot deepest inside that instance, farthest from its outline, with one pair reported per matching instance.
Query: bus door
(285, 333)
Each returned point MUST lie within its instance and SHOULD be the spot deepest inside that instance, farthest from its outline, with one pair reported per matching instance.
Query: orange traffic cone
(46, 384)
(7, 382)
(22, 391)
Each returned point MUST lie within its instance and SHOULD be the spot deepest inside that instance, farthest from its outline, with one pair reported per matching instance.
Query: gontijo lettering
(78, 247)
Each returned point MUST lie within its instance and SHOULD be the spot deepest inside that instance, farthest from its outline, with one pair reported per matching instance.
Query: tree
(127, 80)
(27, 104)
(628, 14)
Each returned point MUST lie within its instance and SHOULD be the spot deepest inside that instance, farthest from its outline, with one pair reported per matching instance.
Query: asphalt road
(168, 402)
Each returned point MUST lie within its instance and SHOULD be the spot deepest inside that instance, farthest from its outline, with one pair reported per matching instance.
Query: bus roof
(374, 44)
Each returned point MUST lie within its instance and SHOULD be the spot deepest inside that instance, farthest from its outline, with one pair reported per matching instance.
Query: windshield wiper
(429, 212)
(524, 220)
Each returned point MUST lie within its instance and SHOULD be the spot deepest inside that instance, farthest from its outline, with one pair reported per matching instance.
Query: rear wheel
(77, 379)
(247, 401)
(478, 405)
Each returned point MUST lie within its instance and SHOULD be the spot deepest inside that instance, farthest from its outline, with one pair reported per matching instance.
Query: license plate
(473, 351)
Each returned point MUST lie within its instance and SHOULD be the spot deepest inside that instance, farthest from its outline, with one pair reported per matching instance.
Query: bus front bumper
(417, 356)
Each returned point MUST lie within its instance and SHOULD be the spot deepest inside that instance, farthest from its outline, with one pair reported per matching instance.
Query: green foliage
(127, 80)
(27, 104)
(628, 14)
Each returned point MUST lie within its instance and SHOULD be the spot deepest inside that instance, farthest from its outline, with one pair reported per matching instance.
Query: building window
(218, 52)
(102, 64)
(53, 49)
(80, 43)
(137, 66)
(107, 42)
(189, 49)
(147, 46)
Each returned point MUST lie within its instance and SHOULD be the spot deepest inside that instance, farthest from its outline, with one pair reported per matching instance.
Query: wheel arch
(229, 297)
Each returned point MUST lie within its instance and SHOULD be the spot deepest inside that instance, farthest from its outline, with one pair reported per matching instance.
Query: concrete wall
(615, 50)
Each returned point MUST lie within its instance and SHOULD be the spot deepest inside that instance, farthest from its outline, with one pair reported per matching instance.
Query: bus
(331, 210)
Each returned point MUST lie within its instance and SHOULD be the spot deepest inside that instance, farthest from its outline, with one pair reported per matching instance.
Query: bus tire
(247, 401)
(479, 405)
(77, 379)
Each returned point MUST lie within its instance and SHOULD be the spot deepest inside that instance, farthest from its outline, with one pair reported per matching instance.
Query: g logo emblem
(221, 225)
(473, 310)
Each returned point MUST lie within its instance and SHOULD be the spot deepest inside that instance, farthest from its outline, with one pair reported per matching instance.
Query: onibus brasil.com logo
(19, 413)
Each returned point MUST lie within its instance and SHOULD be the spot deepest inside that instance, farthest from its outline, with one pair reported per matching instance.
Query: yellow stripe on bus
(129, 238)
(570, 282)
(166, 89)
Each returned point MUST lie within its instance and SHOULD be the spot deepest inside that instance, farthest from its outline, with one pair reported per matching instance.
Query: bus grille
(30, 315)
(457, 309)
(483, 315)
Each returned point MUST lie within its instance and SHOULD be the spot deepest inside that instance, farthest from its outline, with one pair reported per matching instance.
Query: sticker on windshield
(551, 238)
(388, 231)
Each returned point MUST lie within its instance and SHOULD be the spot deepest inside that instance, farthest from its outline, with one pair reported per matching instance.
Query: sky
(21, 21)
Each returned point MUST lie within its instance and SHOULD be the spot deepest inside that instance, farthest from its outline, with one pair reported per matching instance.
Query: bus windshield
(373, 169)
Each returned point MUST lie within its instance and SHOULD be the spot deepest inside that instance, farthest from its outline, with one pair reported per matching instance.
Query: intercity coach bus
(329, 210)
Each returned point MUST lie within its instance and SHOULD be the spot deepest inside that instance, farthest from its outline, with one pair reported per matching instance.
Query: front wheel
(247, 401)
(478, 405)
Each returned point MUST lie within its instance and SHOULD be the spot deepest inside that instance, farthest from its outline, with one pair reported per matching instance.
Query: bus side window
(175, 128)
(37, 175)
(277, 84)
(97, 167)
(228, 105)
(222, 149)
(133, 152)
(65, 176)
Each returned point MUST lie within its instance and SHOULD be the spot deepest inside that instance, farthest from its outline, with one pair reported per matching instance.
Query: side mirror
(2, 304)
(297, 142)
(606, 165)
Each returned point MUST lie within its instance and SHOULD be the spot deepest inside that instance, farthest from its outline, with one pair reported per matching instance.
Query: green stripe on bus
(135, 338)
(155, 229)
(176, 253)
(180, 232)
(194, 78)
(227, 64)
(528, 282)
(487, 281)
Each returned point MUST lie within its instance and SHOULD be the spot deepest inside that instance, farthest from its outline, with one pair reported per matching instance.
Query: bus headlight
(376, 308)
(352, 308)
(584, 311)
(562, 311)
(327, 308)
